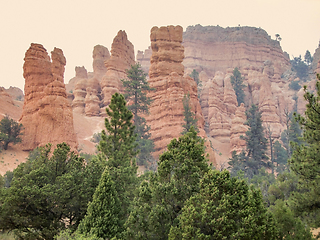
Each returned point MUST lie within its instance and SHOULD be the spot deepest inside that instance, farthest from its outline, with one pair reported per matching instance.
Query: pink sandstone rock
(166, 77)
(122, 57)
(47, 115)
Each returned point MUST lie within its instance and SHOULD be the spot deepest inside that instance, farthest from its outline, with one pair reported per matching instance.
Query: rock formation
(122, 57)
(213, 48)
(81, 73)
(144, 59)
(166, 77)
(100, 55)
(238, 129)
(47, 115)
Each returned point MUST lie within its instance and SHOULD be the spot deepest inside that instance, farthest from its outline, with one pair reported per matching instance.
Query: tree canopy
(225, 208)
(49, 193)
(305, 160)
(10, 132)
(161, 197)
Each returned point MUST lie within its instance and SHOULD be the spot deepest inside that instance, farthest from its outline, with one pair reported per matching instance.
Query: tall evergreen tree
(161, 197)
(189, 116)
(255, 156)
(119, 147)
(305, 160)
(103, 214)
(136, 88)
(238, 86)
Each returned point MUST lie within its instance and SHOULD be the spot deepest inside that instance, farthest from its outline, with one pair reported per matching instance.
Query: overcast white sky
(76, 26)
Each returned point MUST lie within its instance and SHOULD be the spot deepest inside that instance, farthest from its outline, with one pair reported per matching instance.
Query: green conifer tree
(305, 161)
(238, 86)
(255, 156)
(103, 214)
(136, 88)
(119, 147)
(161, 197)
(225, 208)
(189, 116)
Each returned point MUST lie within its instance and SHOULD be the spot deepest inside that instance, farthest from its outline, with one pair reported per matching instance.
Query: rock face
(122, 57)
(47, 115)
(213, 48)
(238, 129)
(144, 59)
(166, 77)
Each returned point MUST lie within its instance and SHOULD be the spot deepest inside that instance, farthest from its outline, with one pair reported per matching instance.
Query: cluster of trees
(57, 194)
(302, 67)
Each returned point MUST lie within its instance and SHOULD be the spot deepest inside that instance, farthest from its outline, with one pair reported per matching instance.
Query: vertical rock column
(122, 57)
(47, 115)
(166, 77)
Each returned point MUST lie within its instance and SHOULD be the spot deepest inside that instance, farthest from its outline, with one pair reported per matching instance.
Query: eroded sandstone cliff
(47, 114)
(166, 77)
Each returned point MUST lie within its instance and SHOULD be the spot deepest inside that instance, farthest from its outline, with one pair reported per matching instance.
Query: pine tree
(225, 208)
(238, 86)
(305, 161)
(103, 214)
(161, 197)
(119, 147)
(136, 88)
(255, 156)
(189, 116)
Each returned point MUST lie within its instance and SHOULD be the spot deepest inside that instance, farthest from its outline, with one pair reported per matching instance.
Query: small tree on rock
(189, 116)
(238, 86)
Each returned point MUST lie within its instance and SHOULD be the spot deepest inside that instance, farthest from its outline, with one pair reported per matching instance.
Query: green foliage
(305, 161)
(10, 132)
(280, 157)
(48, 193)
(68, 235)
(238, 86)
(102, 218)
(119, 147)
(294, 85)
(136, 88)
(285, 184)
(300, 67)
(195, 76)
(289, 226)
(161, 197)
(255, 156)
(225, 208)
(308, 59)
(8, 176)
(189, 116)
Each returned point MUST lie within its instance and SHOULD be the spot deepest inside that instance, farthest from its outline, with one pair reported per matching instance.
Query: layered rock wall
(213, 48)
(47, 115)
(166, 77)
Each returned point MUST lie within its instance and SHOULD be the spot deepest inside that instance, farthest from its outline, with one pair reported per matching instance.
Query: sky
(76, 26)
